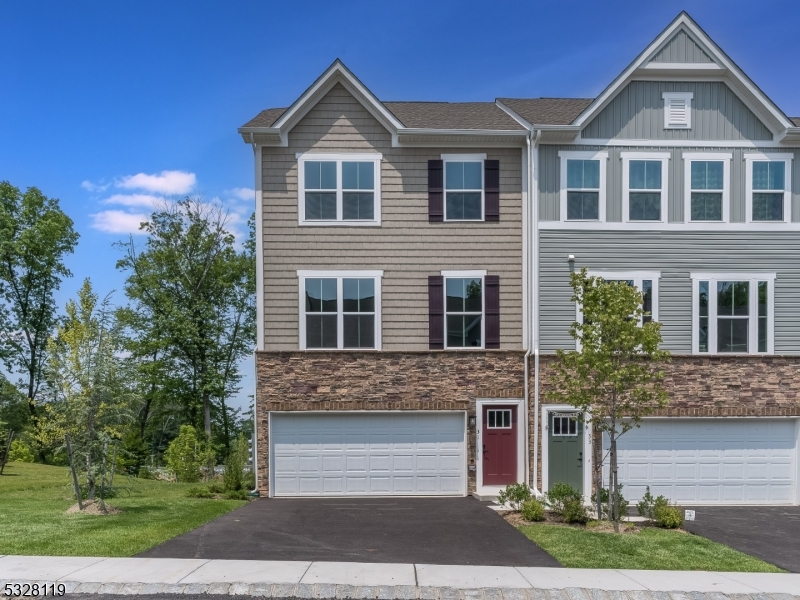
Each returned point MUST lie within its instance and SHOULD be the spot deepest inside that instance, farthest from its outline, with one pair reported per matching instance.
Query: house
(414, 262)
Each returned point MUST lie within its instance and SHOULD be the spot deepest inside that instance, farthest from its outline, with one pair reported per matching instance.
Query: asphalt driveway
(454, 531)
(771, 533)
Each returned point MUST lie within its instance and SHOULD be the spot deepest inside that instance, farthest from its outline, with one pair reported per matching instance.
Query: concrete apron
(329, 580)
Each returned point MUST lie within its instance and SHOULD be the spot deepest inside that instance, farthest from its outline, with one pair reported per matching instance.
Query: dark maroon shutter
(492, 303)
(436, 312)
(491, 190)
(435, 191)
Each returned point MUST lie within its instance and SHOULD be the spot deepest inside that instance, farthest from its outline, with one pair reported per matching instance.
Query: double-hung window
(733, 313)
(464, 309)
(463, 187)
(707, 186)
(644, 185)
(583, 185)
(340, 310)
(339, 189)
(768, 183)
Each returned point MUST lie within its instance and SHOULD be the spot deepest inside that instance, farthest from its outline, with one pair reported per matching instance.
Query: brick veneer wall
(435, 380)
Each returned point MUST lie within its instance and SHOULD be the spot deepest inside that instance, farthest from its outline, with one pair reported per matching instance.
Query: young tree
(616, 376)
(35, 236)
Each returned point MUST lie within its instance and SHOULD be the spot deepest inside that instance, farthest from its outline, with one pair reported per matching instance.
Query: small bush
(235, 464)
(623, 504)
(146, 473)
(561, 493)
(532, 510)
(249, 481)
(236, 495)
(574, 511)
(645, 506)
(187, 456)
(198, 492)
(666, 515)
(20, 452)
(514, 495)
(216, 488)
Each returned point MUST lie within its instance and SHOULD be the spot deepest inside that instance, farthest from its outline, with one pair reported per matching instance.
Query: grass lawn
(650, 548)
(34, 499)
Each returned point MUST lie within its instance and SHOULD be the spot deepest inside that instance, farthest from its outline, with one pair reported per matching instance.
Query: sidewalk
(284, 579)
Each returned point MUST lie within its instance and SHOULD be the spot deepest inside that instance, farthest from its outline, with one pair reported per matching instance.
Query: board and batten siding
(637, 112)
(406, 246)
(549, 180)
(675, 255)
(681, 49)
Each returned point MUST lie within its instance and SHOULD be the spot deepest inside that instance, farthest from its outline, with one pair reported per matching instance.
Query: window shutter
(492, 299)
(435, 191)
(491, 190)
(436, 312)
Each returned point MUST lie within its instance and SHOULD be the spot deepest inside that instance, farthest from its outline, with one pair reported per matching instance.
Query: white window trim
(446, 158)
(749, 159)
(465, 275)
(566, 155)
(688, 97)
(636, 276)
(627, 157)
(302, 275)
(753, 277)
(302, 158)
(688, 159)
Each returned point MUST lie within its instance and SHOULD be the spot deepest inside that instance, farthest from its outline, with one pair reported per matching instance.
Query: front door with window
(565, 450)
(499, 439)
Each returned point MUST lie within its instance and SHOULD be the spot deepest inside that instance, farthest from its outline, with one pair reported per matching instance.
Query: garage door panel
(368, 453)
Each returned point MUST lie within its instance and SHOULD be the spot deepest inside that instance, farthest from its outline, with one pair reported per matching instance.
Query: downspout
(534, 251)
(526, 314)
(259, 300)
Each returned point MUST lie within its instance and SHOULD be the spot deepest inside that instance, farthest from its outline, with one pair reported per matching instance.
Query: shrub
(198, 492)
(532, 510)
(249, 481)
(666, 515)
(186, 455)
(20, 452)
(514, 495)
(574, 511)
(645, 506)
(235, 464)
(236, 495)
(216, 488)
(146, 473)
(561, 493)
(623, 504)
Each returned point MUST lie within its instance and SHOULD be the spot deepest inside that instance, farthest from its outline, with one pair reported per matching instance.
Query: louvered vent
(677, 110)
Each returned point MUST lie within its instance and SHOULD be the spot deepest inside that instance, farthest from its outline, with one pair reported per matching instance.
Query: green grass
(649, 548)
(34, 499)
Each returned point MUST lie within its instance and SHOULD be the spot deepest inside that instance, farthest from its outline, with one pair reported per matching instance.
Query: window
(338, 189)
(464, 309)
(498, 418)
(707, 186)
(732, 313)
(768, 183)
(340, 310)
(644, 185)
(463, 187)
(583, 185)
(564, 425)
(677, 110)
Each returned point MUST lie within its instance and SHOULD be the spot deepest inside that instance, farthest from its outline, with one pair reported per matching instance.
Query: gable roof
(453, 115)
(265, 118)
(547, 111)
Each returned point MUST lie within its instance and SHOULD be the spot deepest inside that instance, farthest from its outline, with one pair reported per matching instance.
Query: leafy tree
(35, 236)
(14, 413)
(187, 455)
(92, 400)
(235, 464)
(616, 377)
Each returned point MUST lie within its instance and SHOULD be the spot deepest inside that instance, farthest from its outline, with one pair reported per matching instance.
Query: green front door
(565, 450)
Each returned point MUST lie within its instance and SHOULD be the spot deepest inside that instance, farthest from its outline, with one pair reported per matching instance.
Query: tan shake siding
(405, 246)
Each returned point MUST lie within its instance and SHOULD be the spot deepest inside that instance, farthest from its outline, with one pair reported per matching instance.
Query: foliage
(574, 511)
(603, 501)
(35, 237)
(532, 510)
(187, 456)
(560, 494)
(146, 473)
(666, 515)
(14, 412)
(645, 506)
(616, 377)
(235, 464)
(236, 495)
(216, 488)
(20, 452)
(514, 495)
(198, 492)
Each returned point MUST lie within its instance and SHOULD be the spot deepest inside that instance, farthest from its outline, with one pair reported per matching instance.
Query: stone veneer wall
(342, 380)
(711, 386)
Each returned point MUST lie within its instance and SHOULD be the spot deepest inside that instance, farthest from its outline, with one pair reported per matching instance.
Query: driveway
(771, 533)
(445, 531)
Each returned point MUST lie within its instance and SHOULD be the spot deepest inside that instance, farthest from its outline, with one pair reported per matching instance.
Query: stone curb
(326, 591)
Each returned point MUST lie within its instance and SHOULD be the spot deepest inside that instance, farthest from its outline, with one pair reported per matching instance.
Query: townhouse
(414, 262)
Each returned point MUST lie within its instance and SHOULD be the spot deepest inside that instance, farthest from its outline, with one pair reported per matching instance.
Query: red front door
(499, 438)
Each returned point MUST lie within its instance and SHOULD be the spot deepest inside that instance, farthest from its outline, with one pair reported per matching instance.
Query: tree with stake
(616, 377)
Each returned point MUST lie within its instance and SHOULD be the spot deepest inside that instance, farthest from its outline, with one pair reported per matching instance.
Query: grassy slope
(650, 548)
(34, 498)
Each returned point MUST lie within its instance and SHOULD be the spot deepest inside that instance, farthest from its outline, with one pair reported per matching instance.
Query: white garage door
(362, 454)
(710, 461)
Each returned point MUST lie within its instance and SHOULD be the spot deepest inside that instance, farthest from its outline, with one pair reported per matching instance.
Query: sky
(110, 106)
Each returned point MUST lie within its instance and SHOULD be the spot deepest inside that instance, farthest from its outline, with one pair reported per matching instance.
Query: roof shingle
(548, 111)
(453, 115)
(265, 118)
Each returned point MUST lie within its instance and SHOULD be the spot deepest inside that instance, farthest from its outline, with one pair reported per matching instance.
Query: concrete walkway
(298, 579)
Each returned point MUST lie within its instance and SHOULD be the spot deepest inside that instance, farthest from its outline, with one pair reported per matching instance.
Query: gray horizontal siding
(675, 254)
(550, 170)
(637, 112)
(681, 49)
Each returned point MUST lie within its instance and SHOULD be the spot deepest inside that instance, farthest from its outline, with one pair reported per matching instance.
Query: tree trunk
(613, 489)
(207, 415)
(225, 425)
(89, 477)
(597, 449)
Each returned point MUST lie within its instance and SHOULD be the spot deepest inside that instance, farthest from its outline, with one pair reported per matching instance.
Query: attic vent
(677, 110)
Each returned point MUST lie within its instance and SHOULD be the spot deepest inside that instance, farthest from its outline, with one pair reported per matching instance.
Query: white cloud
(242, 193)
(94, 187)
(137, 200)
(118, 221)
(166, 182)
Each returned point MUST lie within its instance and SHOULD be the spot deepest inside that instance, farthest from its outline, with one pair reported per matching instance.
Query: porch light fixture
(472, 421)
(571, 262)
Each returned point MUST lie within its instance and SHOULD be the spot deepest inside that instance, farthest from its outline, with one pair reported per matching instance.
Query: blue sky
(107, 105)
